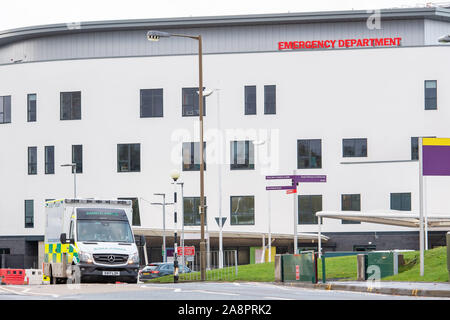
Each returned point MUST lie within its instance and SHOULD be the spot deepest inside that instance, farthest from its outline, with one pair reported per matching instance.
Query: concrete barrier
(33, 276)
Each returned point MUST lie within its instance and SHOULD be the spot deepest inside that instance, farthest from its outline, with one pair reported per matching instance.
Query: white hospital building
(343, 94)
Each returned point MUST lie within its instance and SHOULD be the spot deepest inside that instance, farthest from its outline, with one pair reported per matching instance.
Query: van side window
(71, 230)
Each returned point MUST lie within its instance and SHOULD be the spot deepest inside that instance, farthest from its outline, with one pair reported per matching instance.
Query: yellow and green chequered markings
(54, 252)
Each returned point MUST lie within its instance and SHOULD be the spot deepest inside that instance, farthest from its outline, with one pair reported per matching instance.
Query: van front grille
(111, 258)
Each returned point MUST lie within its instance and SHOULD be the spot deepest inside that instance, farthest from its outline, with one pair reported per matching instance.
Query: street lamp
(163, 204)
(175, 174)
(74, 171)
(155, 36)
(258, 143)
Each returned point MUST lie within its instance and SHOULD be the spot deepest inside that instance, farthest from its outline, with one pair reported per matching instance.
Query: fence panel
(214, 272)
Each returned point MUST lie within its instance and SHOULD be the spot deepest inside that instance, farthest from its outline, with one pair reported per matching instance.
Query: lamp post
(74, 171)
(175, 175)
(163, 204)
(258, 143)
(182, 224)
(155, 36)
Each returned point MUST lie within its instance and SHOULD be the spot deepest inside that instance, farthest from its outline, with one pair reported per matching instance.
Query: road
(184, 291)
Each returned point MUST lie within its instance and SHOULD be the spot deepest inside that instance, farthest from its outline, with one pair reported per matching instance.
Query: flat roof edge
(13, 35)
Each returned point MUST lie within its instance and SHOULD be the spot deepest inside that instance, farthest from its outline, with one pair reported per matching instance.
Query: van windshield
(104, 231)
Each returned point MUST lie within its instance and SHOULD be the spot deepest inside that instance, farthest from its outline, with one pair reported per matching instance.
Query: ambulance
(89, 240)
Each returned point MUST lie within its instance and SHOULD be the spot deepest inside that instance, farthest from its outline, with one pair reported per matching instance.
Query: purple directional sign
(301, 178)
(281, 188)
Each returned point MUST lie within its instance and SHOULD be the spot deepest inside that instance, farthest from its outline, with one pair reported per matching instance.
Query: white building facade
(130, 104)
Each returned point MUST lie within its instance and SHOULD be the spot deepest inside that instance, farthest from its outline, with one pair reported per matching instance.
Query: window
(415, 147)
(242, 210)
(31, 107)
(430, 95)
(49, 160)
(77, 157)
(308, 205)
(242, 155)
(354, 147)
(5, 109)
(29, 213)
(250, 99)
(151, 103)
(191, 156)
(309, 154)
(136, 219)
(32, 160)
(70, 105)
(270, 100)
(351, 202)
(190, 102)
(401, 201)
(129, 157)
(191, 207)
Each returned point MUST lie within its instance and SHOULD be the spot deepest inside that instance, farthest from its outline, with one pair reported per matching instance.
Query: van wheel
(75, 278)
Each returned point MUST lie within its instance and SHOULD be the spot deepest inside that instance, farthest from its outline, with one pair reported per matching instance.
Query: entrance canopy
(226, 234)
(389, 217)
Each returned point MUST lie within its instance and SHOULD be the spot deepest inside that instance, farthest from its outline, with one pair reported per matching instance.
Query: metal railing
(229, 271)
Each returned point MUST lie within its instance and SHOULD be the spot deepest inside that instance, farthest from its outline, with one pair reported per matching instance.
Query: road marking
(277, 298)
(26, 293)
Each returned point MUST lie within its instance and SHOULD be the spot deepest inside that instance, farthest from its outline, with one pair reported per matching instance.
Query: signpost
(292, 189)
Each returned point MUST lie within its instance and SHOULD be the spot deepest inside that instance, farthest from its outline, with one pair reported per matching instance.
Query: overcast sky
(22, 13)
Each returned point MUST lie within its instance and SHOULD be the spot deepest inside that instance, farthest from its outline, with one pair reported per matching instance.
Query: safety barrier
(33, 276)
(12, 276)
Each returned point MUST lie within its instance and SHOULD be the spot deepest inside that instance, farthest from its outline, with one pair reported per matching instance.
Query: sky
(23, 13)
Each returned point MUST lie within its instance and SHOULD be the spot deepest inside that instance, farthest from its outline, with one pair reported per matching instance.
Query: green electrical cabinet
(299, 267)
(380, 265)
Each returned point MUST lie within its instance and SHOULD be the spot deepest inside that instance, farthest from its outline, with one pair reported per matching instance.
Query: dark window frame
(49, 161)
(32, 165)
(193, 218)
(77, 157)
(192, 166)
(306, 161)
(136, 215)
(31, 108)
(250, 100)
(270, 103)
(405, 201)
(353, 197)
(188, 109)
(430, 95)
(155, 110)
(249, 151)
(73, 113)
(5, 109)
(350, 144)
(308, 217)
(131, 163)
(29, 218)
(234, 217)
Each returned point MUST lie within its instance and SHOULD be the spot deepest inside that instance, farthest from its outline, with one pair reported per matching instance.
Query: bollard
(278, 268)
(361, 268)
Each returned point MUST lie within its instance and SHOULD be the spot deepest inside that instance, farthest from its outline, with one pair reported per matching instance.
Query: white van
(90, 240)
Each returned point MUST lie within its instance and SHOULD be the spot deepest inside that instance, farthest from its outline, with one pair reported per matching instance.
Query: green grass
(262, 272)
(435, 267)
(337, 268)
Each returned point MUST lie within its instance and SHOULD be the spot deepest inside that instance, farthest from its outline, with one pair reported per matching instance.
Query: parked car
(159, 269)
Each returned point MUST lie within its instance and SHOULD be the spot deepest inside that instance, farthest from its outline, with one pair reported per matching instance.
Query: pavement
(419, 289)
